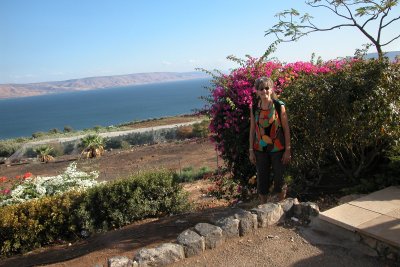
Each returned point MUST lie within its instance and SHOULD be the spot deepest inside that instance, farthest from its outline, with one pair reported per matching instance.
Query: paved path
(376, 215)
(22, 150)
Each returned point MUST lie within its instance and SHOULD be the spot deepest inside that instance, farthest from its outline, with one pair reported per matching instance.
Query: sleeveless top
(269, 135)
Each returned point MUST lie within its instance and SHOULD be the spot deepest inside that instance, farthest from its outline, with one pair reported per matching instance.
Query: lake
(105, 107)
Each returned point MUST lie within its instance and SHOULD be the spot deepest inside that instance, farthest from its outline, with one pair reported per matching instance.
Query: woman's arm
(286, 131)
(251, 137)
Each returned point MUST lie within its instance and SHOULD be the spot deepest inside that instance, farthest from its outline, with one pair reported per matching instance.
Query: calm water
(24, 116)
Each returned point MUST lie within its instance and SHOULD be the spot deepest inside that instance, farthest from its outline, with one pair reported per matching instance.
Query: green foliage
(68, 129)
(347, 118)
(54, 131)
(121, 202)
(140, 138)
(32, 224)
(93, 145)
(43, 152)
(9, 147)
(116, 143)
(201, 129)
(189, 174)
(38, 134)
(69, 148)
(40, 222)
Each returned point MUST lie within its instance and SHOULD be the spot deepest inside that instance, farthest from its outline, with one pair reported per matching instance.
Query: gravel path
(279, 246)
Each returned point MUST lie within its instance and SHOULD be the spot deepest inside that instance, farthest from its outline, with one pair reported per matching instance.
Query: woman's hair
(263, 82)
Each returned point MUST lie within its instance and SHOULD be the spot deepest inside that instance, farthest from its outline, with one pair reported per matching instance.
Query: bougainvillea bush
(345, 124)
(303, 86)
(232, 96)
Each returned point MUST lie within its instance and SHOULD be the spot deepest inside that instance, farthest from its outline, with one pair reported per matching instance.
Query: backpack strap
(278, 105)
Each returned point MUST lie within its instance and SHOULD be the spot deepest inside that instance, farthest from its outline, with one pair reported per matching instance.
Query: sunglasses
(266, 88)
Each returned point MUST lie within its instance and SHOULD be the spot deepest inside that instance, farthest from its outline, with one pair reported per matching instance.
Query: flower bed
(28, 187)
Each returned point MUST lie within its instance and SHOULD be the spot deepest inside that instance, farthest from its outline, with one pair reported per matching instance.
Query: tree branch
(383, 26)
(397, 37)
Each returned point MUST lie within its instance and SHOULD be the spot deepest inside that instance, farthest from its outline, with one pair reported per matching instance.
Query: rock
(297, 211)
(371, 242)
(248, 222)
(162, 255)
(121, 261)
(268, 214)
(288, 203)
(212, 234)
(193, 244)
(229, 226)
(306, 210)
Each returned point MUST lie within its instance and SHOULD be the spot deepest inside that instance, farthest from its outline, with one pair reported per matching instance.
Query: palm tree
(43, 153)
(93, 145)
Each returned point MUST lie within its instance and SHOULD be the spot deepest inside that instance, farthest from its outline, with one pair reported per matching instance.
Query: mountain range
(32, 89)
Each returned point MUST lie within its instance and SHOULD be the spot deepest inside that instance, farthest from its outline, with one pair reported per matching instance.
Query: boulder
(268, 214)
(121, 261)
(247, 221)
(287, 205)
(162, 255)
(229, 226)
(212, 234)
(193, 244)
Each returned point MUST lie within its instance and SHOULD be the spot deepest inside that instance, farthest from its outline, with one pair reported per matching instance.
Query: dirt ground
(257, 249)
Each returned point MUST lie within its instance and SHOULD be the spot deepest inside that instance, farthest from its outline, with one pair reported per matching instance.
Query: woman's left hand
(287, 156)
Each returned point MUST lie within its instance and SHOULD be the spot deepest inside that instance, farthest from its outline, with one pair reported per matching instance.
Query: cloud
(167, 63)
(193, 61)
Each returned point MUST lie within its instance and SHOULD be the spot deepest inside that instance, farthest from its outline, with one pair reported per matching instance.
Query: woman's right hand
(252, 157)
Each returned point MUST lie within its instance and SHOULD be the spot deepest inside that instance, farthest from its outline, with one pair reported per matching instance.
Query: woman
(269, 139)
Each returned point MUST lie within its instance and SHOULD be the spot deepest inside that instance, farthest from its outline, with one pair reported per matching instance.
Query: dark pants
(264, 161)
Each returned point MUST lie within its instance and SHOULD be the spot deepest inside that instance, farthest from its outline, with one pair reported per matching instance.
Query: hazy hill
(31, 89)
(391, 55)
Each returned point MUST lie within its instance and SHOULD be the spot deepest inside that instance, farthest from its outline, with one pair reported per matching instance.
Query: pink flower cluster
(233, 94)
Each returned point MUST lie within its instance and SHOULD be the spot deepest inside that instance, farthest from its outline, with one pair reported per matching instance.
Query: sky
(53, 40)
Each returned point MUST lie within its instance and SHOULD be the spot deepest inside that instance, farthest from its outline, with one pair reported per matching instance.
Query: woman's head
(265, 85)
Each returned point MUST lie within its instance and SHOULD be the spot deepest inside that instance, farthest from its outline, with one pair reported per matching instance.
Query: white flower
(47, 186)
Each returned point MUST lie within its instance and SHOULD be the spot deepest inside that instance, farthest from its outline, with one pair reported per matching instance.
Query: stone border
(204, 236)
(235, 223)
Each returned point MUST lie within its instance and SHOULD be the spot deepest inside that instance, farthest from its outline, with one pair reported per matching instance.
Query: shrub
(188, 174)
(230, 101)
(348, 118)
(93, 145)
(35, 223)
(140, 138)
(69, 148)
(68, 129)
(9, 147)
(37, 187)
(39, 222)
(43, 153)
(38, 134)
(116, 143)
(123, 201)
(184, 132)
(343, 115)
(54, 131)
(201, 129)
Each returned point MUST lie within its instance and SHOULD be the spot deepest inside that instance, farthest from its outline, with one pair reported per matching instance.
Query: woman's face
(264, 91)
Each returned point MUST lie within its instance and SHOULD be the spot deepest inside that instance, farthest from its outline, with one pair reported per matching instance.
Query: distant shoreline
(12, 91)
